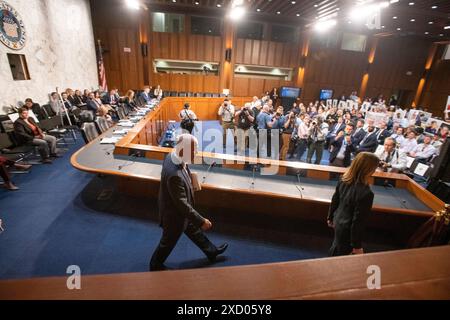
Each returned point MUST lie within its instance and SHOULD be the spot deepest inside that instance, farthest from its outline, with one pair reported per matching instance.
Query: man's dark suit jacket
(146, 98)
(350, 207)
(107, 100)
(357, 137)
(176, 196)
(370, 144)
(91, 105)
(341, 127)
(384, 134)
(38, 111)
(23, 131)
(337, 144)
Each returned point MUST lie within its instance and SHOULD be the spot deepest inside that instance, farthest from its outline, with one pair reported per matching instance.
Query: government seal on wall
(12, 29)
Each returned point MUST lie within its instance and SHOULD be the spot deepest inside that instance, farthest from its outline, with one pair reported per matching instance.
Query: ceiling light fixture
(133, 4)
(324, 25)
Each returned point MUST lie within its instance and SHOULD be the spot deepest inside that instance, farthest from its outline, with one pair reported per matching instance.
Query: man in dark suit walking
(176, 206)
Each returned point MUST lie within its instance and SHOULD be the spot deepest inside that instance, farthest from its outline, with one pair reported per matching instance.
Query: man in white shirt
(424, 150)
(391, 159)
(398, 136)
(409, 144)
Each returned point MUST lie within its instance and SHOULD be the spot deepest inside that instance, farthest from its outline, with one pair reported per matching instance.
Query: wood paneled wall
(437, 88)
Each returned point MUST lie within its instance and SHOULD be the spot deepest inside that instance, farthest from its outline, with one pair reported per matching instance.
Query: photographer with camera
(342, 147)
(227, 112)
(188, 118)
(318, 131)
(286, 137)
(245, 119)
(391, 159)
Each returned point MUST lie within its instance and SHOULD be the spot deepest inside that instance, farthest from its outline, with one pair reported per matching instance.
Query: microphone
(212, 165)
(394, 192)
(299, 185)
(253, 177)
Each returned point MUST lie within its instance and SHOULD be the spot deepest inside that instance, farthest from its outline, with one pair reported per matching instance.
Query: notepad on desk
(112, 140)
(126, 124)
(121, 132)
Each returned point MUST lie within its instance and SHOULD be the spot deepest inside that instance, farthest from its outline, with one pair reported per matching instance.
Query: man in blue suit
(176, 206)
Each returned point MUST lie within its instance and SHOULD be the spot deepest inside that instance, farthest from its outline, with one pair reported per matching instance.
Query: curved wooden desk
(332, 278)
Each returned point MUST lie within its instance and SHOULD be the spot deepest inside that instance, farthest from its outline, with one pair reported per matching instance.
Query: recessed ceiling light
(293, 2)
(278, 12)
(174, 0)
(447, 27)
(399, 29)
(411, 3)
(412, 20)
(382, 27)
(219, 5)
(441, 35)
(434, 7)
(430, 22)
(298, 14)
(258, 10)
(316, 5)
(394, 17)
(197, 3)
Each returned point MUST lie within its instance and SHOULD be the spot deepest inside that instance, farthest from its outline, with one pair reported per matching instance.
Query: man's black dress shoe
(212, 257)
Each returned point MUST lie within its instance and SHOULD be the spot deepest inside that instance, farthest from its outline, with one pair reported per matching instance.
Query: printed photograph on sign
(377, 118)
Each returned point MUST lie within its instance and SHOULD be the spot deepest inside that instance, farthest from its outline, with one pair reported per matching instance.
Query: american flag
(101, 69)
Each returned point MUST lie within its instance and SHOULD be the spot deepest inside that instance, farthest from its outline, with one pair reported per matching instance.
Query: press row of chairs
(187, 94)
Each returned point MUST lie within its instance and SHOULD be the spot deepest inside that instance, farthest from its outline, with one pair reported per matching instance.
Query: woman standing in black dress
(351, 205)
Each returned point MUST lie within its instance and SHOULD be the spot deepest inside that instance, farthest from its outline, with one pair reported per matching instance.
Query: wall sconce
(302, 62)
(228, 54)
(144, 48)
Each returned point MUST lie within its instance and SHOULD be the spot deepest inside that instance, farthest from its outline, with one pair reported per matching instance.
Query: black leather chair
(89, 131)
(101, 125)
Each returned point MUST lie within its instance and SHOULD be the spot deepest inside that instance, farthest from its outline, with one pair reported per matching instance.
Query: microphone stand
(212, 165)
(253, 177)
(299, 186)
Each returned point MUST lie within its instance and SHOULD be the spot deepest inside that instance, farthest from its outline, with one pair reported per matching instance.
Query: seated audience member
(36, 108)
(28, 132)
(129, 101)
(444, 132)
(437, 142)
(369, 143)
(67, 103)
(146, 96)
(188, 118)
(391, 159)
(93, 104)
(432, 128)
(409, 143)
(359, 133)
(111, 99)
(369, 123)
(398, 136)
(56, 104)
(423, 151)
(382, 133)
(78, 99)
(70, 96)
(158, 93)
(4, 174)
(335, 129)
(342, 148)
(85, 97)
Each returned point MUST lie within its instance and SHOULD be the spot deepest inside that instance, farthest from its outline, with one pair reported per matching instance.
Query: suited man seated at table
(424, 151)
(111, 99)
(370, 142)
(391, 158)
(28, 132)
(335, 129)
(382, 133)
(146, 96)
(358, 133)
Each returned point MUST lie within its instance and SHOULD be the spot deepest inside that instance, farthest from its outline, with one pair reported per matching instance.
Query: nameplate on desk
(421, 169)
(409, 161)
(126, 124)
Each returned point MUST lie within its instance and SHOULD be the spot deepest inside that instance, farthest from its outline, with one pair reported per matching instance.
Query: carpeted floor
(62, 217)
